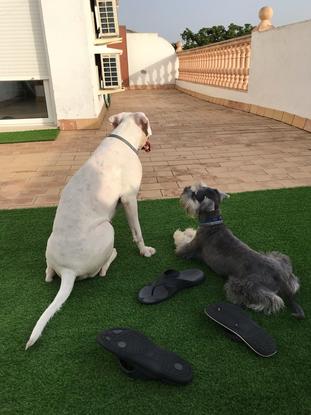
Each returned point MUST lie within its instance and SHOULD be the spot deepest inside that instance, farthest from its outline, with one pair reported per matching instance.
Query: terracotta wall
(123, 57)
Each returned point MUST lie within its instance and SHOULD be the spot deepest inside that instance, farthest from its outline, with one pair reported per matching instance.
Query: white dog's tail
(66, 286)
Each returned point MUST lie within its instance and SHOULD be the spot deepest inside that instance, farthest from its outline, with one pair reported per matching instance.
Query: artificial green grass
(28, 136)
(67, 372)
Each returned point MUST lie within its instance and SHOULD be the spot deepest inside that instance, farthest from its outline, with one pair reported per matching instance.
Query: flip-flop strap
(164, 279)
(134, 371)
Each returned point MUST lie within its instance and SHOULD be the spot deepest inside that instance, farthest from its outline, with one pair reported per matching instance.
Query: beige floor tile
(192, 140)
(150, 194)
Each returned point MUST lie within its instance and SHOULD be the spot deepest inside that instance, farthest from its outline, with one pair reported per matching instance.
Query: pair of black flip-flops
(140, 358)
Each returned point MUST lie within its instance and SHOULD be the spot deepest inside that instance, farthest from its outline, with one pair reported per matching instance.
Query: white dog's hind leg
(105, 267)
(49, 274)
(85, 277)
(131, 210)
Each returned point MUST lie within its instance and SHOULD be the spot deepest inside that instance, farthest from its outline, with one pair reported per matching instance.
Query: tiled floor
(192, 139)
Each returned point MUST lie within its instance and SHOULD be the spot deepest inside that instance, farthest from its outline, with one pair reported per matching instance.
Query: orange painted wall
(123, 57)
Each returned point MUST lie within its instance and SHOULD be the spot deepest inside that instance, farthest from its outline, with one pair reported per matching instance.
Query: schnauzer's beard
(189, 204)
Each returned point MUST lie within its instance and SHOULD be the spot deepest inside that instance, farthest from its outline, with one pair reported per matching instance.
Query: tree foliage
(214, 34)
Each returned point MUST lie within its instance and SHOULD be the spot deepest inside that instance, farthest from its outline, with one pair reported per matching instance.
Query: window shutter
(22, 48)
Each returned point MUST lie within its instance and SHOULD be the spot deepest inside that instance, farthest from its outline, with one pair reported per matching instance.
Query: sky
(169, 18)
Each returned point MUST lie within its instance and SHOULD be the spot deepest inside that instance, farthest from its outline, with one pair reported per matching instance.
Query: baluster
(219, 66)
(209, 63)
(220, 60)
(200, 71)
(220, 54)
(180, 59)
(208, 69)
(237, 67)
(247, 64)
(204, 67)
(233, 65)
(180, 69)
(229, 68)
(200, 67)
(214, 67)
(242, 66)
(227, 62)
(222, 66)
(225, 66)
(187, 63)
(186, 68)
(211, 77)
(191, 59)
(183, 67)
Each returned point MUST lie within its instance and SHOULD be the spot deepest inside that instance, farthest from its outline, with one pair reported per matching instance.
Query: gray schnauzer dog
(260, 281)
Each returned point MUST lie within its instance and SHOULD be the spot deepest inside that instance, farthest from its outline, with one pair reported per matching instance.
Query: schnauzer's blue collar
(215, 220)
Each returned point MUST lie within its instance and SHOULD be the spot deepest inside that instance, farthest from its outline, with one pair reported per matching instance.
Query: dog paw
(190, 233)
(177, 235)
(147, 251)
(180, 238)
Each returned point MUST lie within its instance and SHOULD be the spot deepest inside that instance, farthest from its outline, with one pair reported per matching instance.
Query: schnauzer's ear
(143, 122)
(223, 195)
(116, 119)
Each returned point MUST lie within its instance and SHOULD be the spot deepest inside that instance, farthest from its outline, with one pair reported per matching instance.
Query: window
(22, 100)
(110, 65)
(106, 18)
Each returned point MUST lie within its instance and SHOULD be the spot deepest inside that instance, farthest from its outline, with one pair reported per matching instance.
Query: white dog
(82, 240)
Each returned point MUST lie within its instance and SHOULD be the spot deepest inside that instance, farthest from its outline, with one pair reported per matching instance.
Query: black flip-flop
(168, 284)
(233, 318)
(140, 358)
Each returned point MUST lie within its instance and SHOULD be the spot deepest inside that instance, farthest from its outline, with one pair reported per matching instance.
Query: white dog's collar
(125, 142)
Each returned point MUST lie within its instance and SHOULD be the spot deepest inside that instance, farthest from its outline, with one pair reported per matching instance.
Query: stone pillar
(178, 46)
(265, 15)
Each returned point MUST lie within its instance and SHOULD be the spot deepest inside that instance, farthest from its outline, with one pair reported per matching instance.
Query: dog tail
(67, 282)
(297, 310)
(267, 301)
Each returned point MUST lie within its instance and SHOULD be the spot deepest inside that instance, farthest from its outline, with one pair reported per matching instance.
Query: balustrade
(224, 64)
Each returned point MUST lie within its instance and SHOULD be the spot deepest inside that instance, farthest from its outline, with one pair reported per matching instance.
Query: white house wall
(67, 31)
(280, 73)
(151, 60)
